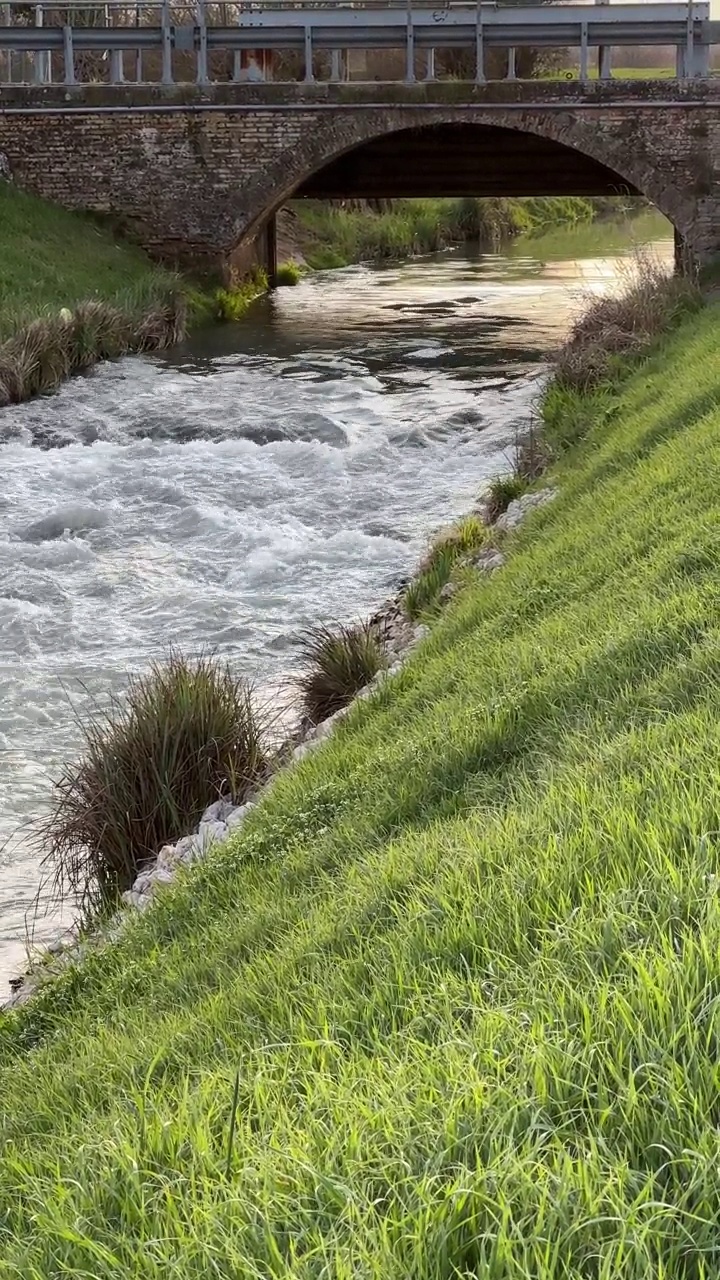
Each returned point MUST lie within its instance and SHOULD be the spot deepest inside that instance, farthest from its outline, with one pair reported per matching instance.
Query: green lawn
(618, 73)
(50, 258)
(461, 968)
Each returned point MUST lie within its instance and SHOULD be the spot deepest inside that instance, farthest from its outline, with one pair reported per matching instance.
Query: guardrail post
(117, 70)
(409, 46)
(689, 41)
(138, 51)
(68, 54)
(512, 63)
(41, 61)
(430, 65)
(335, 67)
(583, 53)
(202, 67)
(479, 46)
(309, 77)
(7, 56)
(604, 55)
(167, 67)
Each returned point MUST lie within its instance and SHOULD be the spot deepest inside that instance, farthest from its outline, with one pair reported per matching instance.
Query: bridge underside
(462, 160)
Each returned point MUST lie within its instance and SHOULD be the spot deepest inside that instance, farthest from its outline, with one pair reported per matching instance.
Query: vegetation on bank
(52, 258)
(446, 1005)
(71, 295)
(332, 235)
(184, 734)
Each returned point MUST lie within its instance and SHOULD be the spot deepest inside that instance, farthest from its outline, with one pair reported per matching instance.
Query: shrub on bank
(501, 491)
(423, 593)
(288, 274)
(185, 732)
(231, 304)
(338, 661)
(45, 352)
(624, 324)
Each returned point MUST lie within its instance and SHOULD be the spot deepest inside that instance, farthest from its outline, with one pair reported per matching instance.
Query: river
(266, 475)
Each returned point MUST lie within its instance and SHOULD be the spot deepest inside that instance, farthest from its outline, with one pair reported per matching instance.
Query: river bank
(441, 953)
(328, 235)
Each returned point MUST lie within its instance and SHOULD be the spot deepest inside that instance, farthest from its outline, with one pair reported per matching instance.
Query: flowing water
(267, 475)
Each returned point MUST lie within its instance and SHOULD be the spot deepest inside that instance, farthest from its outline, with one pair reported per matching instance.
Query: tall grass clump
(288, 274)
(423, 592)
(184, 734)
(625, 324)
(49, 349)
(337, 662)
(231, 304)
(501, 491)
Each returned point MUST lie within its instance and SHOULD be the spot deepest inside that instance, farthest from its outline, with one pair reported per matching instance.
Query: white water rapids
(278, 472)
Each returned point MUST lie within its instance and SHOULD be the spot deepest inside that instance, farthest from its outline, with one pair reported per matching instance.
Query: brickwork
(193, 175)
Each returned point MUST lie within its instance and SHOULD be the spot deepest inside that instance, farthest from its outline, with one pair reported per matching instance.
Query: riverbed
(267, 475)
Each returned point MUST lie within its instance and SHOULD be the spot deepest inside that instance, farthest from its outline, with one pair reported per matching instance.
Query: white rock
(183, 848)
(159, 875)
(139, 901)
(489, 560)
(218, 811)
(208, 834)
(304, 748)
(419, 633)
(213, 830)
(168, 856)
(142, 883)
(322, 731)
(237, 815)
(519, 508)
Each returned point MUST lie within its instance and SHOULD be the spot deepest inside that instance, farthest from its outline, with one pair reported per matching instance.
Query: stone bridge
(196, 173)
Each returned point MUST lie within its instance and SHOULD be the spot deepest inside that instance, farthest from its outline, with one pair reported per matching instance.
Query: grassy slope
(50, 258)
(465, 958)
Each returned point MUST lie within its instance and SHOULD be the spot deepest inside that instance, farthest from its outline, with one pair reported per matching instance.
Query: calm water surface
(265, 476)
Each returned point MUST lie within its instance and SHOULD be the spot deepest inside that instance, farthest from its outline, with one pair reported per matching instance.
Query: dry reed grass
(48, 350)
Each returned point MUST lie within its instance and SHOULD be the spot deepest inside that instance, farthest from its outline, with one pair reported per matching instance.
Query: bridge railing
(76, 41)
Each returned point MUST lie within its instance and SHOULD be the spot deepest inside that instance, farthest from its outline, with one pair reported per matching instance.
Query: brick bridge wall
(196, 172)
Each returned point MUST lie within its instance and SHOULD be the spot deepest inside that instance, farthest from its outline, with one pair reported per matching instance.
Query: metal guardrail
(50, 37)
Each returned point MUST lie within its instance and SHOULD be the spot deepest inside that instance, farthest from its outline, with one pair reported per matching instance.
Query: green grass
(334, 237)
(50, 258)
(288, 274)
(618, 73)
(448, 1005)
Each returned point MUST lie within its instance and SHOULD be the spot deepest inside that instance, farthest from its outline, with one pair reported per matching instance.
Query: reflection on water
(265, 475)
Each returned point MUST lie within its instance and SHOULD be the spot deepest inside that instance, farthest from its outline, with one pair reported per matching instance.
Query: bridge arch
(389, 152)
